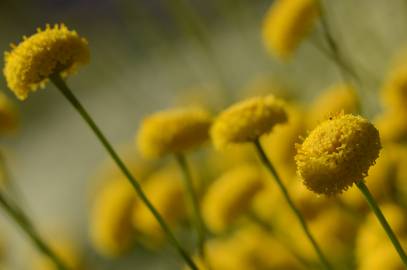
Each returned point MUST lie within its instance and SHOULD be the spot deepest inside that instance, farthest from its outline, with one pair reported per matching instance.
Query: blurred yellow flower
(173, 131)
(66, 250)
(111, 227)
(339, 97)
(231, 195)
(394, 92)
(53, 50)
(280, 144)
(287, 23)
(8, 115)
(337, 154)
(165, 190)
(392, 125)
(383, 257)
(371, 236)
(247, 120)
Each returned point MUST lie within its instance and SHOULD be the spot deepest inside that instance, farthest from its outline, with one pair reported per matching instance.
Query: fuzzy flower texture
(337, 154)
(53, 50)
(246, 121)
(173, 131)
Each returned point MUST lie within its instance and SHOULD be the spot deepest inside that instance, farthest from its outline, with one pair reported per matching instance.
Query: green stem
(267, 163)
(21, 219)
(67, 93)
(193, 197)
(376, 210)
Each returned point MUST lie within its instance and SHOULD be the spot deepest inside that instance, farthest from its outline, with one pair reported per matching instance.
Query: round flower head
(53, 50)
(246, 121)
(287, 23)
(337, 153)
(173, 131)
(231, 195)
(111, 228)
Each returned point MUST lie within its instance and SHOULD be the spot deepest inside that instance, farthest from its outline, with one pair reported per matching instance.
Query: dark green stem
(196, 209)
(21, 219)
(67, 93)
(376, 210)
(267, 163)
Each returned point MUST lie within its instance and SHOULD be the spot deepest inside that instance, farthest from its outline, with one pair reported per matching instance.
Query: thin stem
(376, 210)
(267, 163)
(196, 209)
(21, 219)
(67, 93)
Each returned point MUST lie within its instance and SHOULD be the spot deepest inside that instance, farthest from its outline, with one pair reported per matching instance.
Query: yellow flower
(340, 97)
(287, 23)
(53, 50)
(165, 190)
(67, 252)
(246, 121)
(383, 257)
(8, 115)
(392, 125)
(173, 131)
(230, 196)
(111, 227)
(337, 154)
(394, 92)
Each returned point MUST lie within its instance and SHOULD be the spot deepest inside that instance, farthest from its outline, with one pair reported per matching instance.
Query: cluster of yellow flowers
(241, 215)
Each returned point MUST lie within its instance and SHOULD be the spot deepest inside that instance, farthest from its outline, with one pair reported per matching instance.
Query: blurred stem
(196, 209)
(192, 25)
(376, 210)
(282, 240)
(67, 93)
(21, 219)
(267, 163)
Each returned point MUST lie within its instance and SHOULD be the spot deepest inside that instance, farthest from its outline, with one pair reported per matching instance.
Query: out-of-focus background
(149, 55)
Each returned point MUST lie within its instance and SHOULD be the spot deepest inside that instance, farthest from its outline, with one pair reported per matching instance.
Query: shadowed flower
(337, 154)
(286, 24)
(230, 196)
(246, 121)
(165, 190)
(111, 228)
(53, 50)
(173, 131)
(8, 115)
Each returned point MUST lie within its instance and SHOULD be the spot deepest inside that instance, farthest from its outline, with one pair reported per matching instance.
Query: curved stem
(21, 219)
(67, 93)
(267, 163)
(376, 210)
(193, 197)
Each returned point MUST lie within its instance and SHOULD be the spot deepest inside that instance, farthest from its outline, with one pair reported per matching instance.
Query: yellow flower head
(173, 131)
(111, 228)
(246, 121)
(337, 98)
(394, 92)
(53, 50)
(286, 23)
(8, 115)
(165, 190)
(231, 195)
(337, 153)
